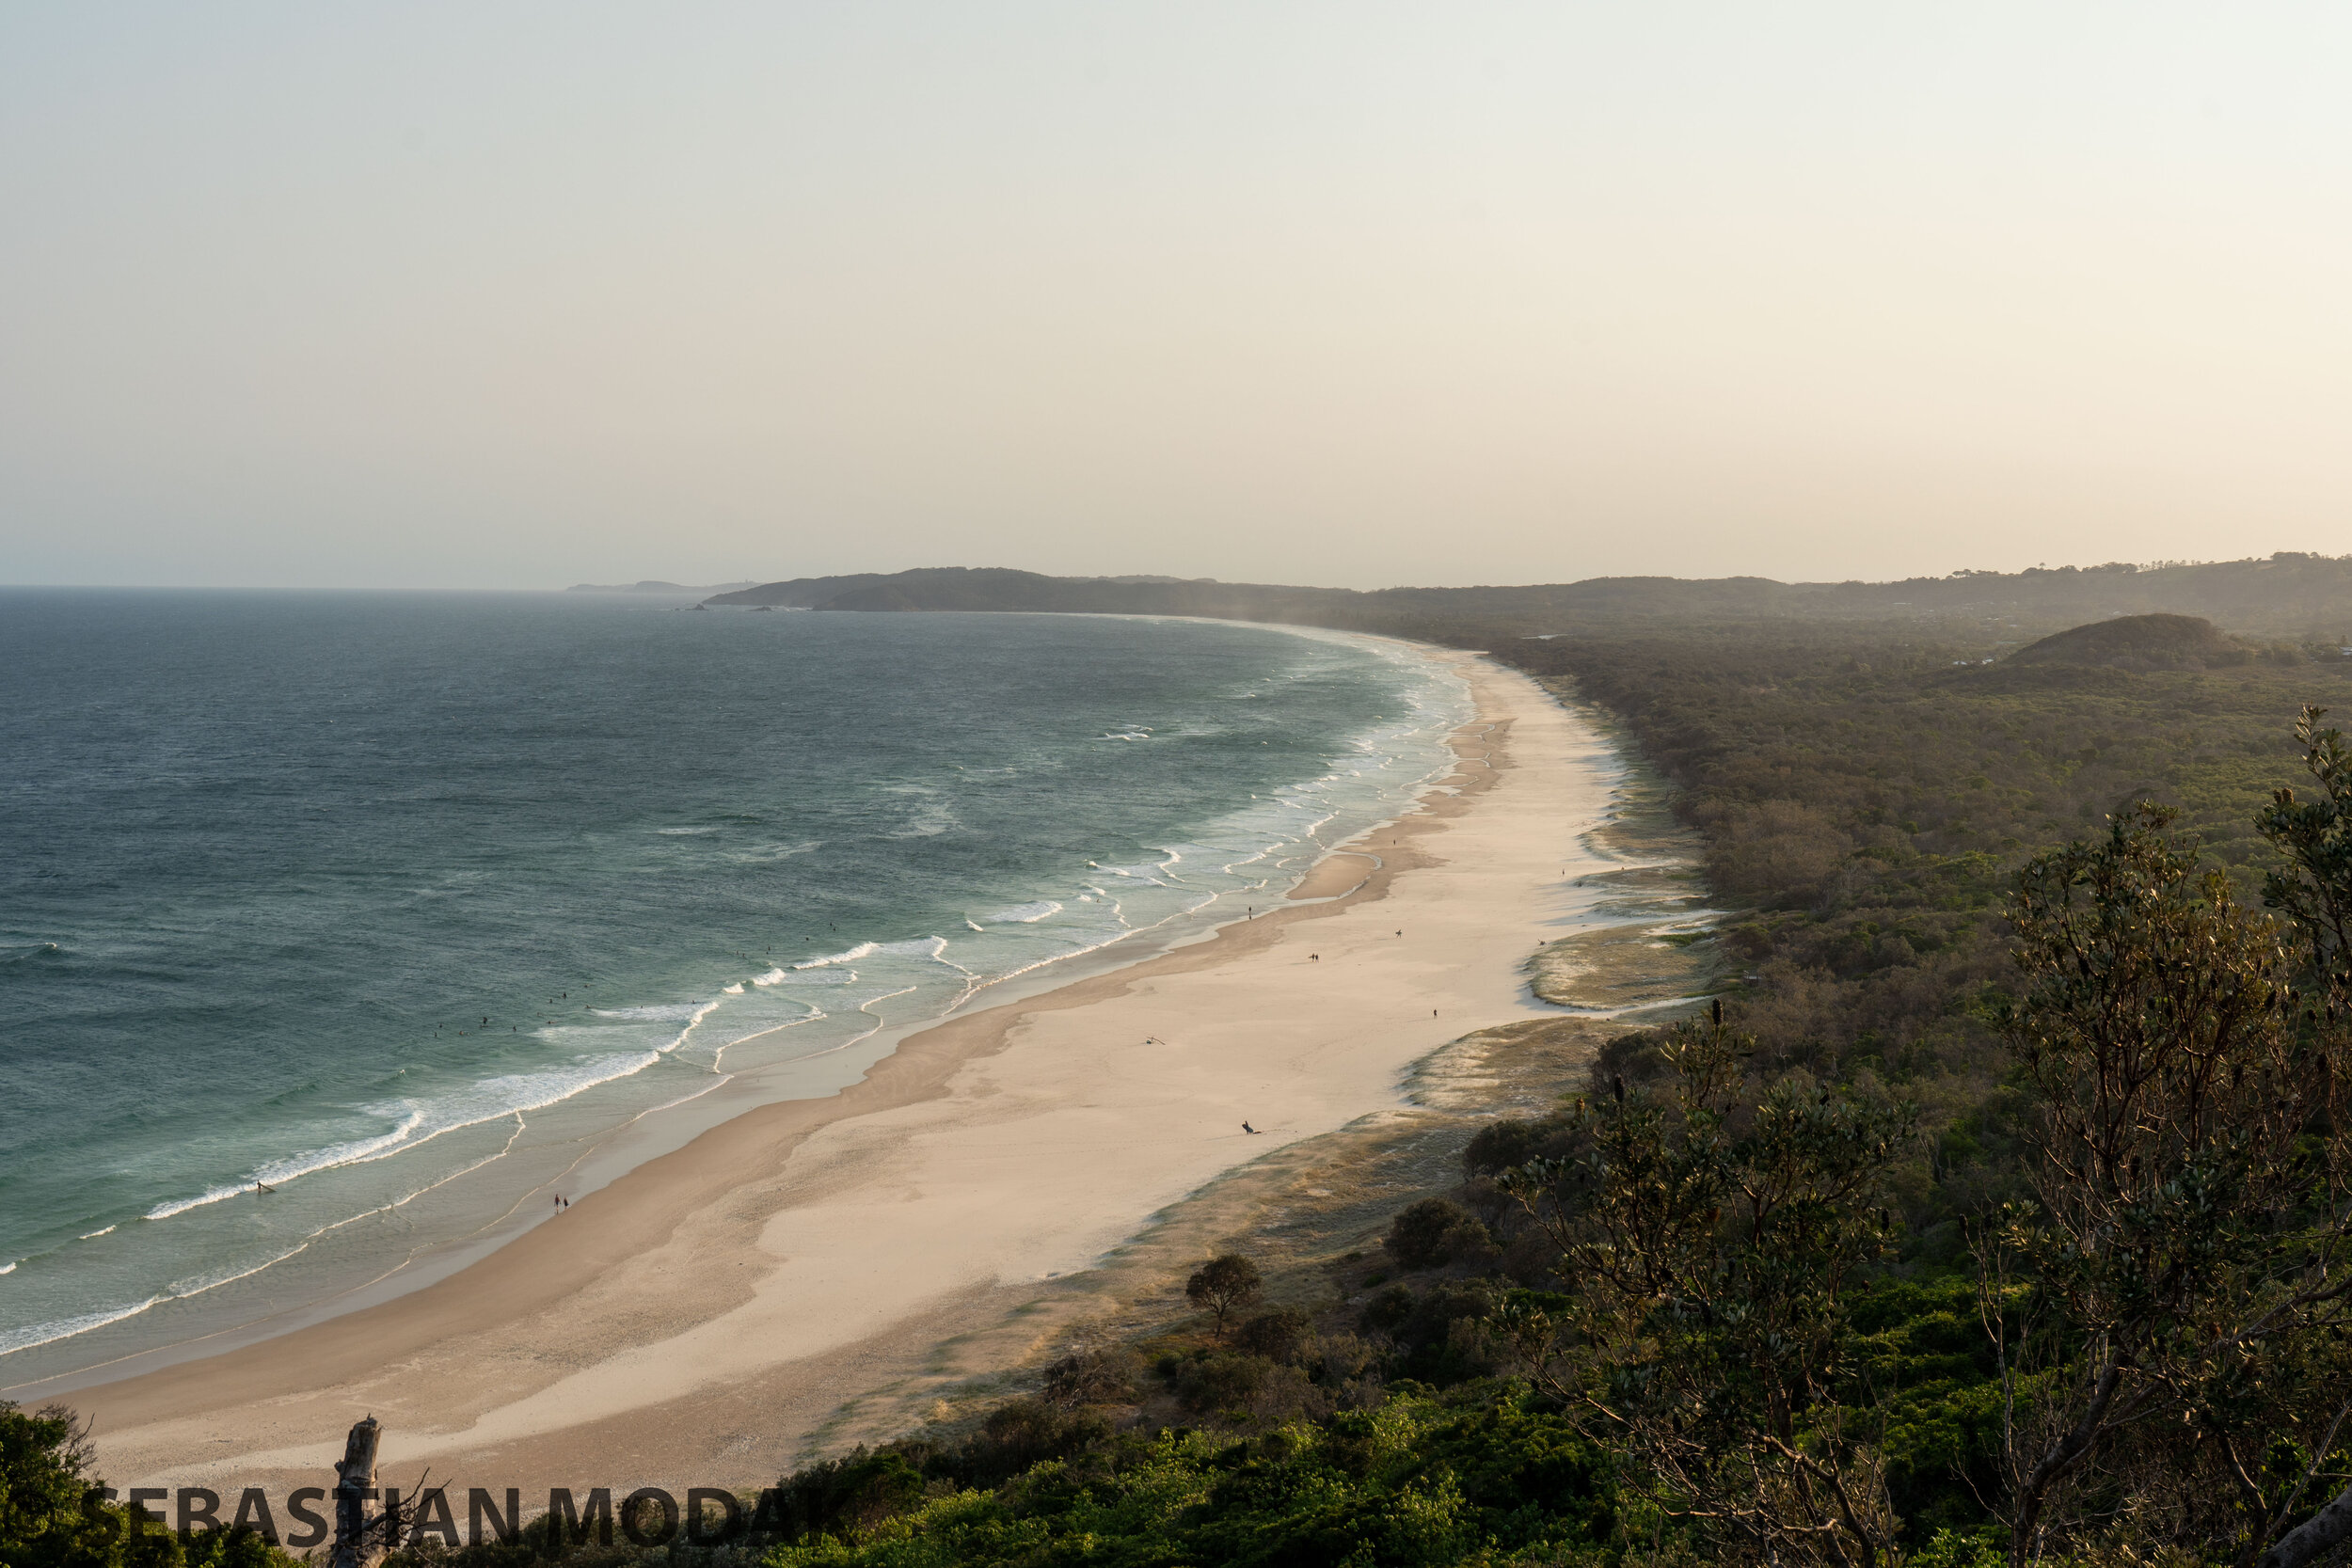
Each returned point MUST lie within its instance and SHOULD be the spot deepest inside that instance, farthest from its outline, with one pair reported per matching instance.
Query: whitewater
(344, 929)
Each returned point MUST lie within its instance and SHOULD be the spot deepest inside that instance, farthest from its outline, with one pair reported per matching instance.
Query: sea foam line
(1024, 915)
(862, 950)
(542, 1089)
(411, 1196)
(509, 1094)
(813, 1015)
(65, 1329)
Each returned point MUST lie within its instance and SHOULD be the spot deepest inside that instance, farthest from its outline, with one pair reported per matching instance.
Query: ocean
(339, 931)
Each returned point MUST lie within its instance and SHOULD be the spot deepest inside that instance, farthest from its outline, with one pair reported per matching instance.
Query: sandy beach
(705, 1318)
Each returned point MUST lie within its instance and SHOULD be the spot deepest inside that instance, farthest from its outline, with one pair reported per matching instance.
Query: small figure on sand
(1314, 958)
(1246, 1127)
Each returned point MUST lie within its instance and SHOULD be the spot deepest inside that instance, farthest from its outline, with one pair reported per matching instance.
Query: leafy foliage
(2019, 1135)
(2185, 1242)
(1224, 1285)
(1713, 1239)
(54, 1515)
(1420, 1481)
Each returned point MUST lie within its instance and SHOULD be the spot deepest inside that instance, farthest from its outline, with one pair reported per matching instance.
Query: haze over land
(2289, 595)
(1317, 293)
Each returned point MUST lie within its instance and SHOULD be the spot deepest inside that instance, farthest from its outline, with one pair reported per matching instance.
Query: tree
(2182, 1266)
(849, 1496)
(1431, 1232)
(1223, 1285)
(1714, 1237)
(2314, 892)
(54, 1515)
(2315, 889)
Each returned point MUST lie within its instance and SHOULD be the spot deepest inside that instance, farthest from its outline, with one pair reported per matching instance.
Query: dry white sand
(699, 1319)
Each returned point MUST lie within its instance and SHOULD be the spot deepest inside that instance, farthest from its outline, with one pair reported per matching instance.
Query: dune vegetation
(1996, 1211)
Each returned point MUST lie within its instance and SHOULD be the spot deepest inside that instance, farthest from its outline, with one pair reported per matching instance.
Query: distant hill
(2139, 643)
(996, 588)
(650, 586)
(2288, 595)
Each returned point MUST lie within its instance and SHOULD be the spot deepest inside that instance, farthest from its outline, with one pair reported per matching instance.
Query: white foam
(357, 1151)
(1374, 760)
(813, 1015)
(412, 1196)
(9, 1268)
(484, 1100)
(511, 1094)
(859, 951)
(93, 1235)
(1022, 914)
(65, 1329)
(801, 979)
(196, 1285)
(165, 1210)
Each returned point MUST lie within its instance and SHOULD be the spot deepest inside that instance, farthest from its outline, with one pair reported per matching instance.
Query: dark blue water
(396, 902)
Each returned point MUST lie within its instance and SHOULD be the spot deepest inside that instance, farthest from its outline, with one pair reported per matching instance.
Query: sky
(518, 294)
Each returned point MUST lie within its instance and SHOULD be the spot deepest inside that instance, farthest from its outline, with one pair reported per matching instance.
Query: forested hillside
(2287, 596)
(1998, 1214)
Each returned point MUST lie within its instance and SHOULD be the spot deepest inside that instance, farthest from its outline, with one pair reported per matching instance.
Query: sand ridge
(699, 1321)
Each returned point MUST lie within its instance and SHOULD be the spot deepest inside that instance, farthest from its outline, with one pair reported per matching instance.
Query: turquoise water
(402, 904)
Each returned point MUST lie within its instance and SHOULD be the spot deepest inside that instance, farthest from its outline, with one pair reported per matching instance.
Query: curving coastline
(707, 1312)
(328, 1142)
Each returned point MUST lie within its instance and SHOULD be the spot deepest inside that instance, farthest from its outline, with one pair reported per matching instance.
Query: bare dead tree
(362, 1539)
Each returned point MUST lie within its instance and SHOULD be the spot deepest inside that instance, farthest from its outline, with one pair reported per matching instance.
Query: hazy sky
(519, 294)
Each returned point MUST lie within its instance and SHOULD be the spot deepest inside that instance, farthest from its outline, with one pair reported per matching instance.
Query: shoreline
(576, 1143)
(796, 1242)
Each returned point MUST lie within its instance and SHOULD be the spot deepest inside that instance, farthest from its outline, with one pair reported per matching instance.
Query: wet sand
(705, 1318)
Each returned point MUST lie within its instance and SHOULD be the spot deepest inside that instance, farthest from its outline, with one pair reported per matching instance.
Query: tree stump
(361, 1540)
